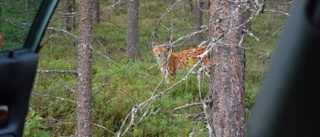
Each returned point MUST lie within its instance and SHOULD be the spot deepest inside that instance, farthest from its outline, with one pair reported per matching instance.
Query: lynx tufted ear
(167, 45)
(153, 43)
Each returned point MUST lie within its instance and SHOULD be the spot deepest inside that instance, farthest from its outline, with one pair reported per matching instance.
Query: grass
(120, 83)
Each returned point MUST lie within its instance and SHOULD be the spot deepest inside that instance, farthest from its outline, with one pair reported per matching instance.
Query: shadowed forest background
(120, 83)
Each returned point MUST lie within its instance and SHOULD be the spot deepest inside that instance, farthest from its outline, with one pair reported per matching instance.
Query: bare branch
(209, 125)
(134, 114)
(59, 98)
(119, 133)
(58, 72)
(260, 7)
(251, 34)
(198, 4)
(168, 10)
(115, 4)
(278, 11)
(63, 31)
(188, 105)
(106, 56)
(103, 128)
(104, 83)
(189, 35)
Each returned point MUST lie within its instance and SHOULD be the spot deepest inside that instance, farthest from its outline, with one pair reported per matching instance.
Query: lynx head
(160, 50)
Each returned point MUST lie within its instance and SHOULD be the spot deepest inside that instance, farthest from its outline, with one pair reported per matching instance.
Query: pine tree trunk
(1, 39)
(96, 11)
(226, 88)
(85, 41)
(198, 18)
(69, 20)
(132, 50)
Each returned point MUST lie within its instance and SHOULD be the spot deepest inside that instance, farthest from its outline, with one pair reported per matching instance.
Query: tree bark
(1, 39)
(69, 20)
(226, 87)
(96, 11)
(85, 40)
(132, 50)
(198, 18)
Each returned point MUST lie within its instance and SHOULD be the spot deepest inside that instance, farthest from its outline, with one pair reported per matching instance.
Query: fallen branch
(58, 72)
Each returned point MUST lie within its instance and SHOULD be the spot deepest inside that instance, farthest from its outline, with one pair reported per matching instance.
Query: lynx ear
(153, 43)
(169, 39)
(167, 44)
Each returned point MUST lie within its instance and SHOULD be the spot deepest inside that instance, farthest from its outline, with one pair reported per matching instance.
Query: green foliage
(33, 126)
(15, 18)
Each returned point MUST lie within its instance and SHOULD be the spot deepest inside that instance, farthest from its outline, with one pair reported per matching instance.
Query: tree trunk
(133, 29)
(227, 111)
(198, 18)
(69, 21)
(96, 11)
(1, 39)
(85, 40)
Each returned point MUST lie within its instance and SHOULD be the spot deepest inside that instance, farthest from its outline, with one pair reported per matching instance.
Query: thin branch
(63, 31)
(278, 11)
(134, 114)
(251, 34)
(260, 7)
(201, 8)
(188, 105)
(104, 83)
(57, 72)
(59, 98)
(104, 128)
(115, 4)
(114, 23)
(123, 125)
(168, 10)
(189, 35)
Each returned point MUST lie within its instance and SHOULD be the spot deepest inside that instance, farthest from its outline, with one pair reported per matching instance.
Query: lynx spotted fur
(170, 63)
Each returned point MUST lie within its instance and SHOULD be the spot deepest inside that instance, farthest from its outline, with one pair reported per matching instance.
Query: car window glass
(16, 18)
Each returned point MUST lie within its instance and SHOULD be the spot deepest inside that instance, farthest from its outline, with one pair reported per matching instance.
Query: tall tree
(96, 11)
(1, 39)
(84, 97)
(132, 50)
(198, 17)
(227, 111)
(69, 20)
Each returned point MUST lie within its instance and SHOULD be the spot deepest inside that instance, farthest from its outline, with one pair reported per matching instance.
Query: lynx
(170, 63)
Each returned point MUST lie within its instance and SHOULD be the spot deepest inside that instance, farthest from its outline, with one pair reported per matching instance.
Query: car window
(16, 18)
